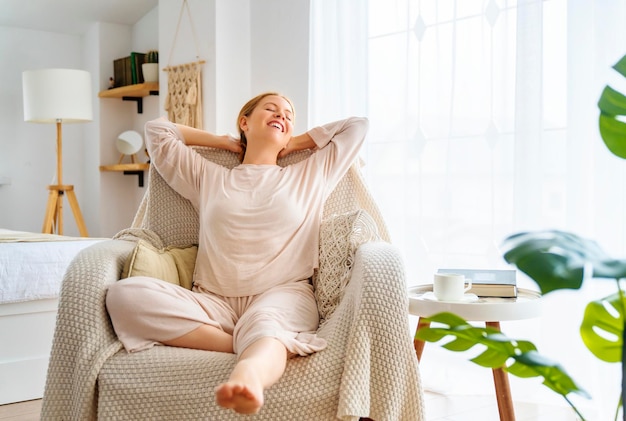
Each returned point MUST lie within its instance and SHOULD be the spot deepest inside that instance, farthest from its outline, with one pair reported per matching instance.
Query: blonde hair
(247, 109)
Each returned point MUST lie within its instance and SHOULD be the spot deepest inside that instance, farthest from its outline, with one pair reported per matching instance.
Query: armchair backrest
(171, 217)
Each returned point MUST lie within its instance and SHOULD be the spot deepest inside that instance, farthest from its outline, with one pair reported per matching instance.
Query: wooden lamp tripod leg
(54, 209)
(78, 216)
(51, 212)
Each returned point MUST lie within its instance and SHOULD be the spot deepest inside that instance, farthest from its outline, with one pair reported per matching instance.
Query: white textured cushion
(340, 236)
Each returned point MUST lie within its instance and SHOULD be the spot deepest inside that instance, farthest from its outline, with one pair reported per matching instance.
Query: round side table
(490, 310)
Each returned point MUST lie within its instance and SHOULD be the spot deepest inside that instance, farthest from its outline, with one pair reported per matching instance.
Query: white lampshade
(52, 95)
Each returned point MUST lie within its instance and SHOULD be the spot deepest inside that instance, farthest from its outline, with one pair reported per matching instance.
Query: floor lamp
(58, 96)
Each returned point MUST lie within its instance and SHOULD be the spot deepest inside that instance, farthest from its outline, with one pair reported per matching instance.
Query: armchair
(369, 368)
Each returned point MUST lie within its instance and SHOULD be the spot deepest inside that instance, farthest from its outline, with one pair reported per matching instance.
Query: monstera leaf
(612, 105)
(557, 259)
(602, 326)
(518, 357)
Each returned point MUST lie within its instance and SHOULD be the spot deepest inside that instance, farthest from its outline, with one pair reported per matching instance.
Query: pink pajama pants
(147, 311)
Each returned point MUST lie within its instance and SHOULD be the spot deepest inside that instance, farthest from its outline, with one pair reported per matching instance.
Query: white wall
(249, 47)
(118, 196)
(178, 47)
(28, 150)
(107, 200)
(280, 52)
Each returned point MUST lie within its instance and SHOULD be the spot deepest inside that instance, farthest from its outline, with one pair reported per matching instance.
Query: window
(483, 123)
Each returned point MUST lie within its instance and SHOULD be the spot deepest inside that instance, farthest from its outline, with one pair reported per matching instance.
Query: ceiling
(71, 16)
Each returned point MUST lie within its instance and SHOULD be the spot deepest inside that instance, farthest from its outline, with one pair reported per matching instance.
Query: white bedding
(32, 265)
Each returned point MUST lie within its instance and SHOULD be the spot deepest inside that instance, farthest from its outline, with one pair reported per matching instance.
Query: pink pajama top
(259, 224)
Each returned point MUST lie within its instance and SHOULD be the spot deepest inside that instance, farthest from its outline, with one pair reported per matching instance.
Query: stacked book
(127, 70)
(489, 283)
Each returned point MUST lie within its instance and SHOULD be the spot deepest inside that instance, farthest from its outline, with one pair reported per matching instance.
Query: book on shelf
(119, 72)
(127, 70)
(489, 282)
(122, 72)
(136, 60)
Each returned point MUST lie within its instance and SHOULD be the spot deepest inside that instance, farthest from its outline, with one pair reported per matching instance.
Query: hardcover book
(122, 72)
(136, 60)
(488, 282)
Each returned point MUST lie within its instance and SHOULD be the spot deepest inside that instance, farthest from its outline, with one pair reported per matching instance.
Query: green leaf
(459, 344)
(532, 364)
(524, 359)
(606, 347)
(613, 133)
(554, 376)
(620, 66)
(433, 335)
(612, 102)
(449, 319)
(491, 358)
(557, 259)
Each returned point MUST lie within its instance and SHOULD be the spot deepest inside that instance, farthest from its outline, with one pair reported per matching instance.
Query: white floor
(484, 408)
(438, 408)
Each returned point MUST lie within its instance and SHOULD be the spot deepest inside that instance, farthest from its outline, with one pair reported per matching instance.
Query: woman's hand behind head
(297, 143)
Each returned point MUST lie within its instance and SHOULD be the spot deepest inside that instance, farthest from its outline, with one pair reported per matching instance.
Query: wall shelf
(132, 93)
(128, 169)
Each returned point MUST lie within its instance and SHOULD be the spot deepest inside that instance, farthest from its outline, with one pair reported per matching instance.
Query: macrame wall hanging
(184, 84)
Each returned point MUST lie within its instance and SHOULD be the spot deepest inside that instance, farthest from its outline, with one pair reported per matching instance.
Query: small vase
(150, 72)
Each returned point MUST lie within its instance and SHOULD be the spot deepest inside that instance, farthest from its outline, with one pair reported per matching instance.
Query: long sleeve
(339, 144)
(179, 165)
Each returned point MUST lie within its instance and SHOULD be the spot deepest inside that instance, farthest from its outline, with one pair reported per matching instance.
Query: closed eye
(273, 108)
(287, 115)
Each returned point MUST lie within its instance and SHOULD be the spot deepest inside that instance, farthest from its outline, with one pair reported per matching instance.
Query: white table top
(487, 309)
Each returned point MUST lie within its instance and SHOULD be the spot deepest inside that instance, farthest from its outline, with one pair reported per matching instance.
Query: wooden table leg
(417, 344)
(500, 377)
(503, 390)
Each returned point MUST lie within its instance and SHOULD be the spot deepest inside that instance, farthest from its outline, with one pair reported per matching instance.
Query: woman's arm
(197, 137)
(298, 143)
(338, 145)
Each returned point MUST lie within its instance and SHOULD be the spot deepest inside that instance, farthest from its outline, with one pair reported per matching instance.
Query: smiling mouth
(277, 125)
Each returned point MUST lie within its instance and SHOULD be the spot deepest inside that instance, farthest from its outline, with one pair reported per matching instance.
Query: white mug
(450, 286)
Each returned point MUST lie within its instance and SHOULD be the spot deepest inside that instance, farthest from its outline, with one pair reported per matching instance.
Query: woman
(258, 246)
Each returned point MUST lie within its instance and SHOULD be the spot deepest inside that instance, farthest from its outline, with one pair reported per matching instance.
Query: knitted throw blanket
(369, 368)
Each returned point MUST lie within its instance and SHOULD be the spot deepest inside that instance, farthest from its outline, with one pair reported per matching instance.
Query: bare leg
(259, 367)
(208, 338)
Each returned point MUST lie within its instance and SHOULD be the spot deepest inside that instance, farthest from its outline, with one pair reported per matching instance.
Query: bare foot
(241, 398)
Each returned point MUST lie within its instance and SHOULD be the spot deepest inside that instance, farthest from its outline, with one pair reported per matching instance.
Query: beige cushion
(340, 236)
(172, 264)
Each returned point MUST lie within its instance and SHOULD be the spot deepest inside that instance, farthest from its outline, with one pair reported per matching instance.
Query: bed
(32, 266)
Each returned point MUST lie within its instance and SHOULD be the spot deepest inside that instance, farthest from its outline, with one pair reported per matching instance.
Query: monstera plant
(558, 260)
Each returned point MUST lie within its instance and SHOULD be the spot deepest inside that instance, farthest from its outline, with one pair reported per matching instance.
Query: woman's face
(271, 119)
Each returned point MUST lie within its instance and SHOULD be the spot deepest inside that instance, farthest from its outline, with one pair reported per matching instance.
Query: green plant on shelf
(152, 56)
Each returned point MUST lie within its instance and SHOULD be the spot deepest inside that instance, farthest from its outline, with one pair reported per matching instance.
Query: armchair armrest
(383, 383)
(83, 337)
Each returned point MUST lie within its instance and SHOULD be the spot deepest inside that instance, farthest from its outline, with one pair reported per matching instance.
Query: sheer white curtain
(484, 123)
(339, 79)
